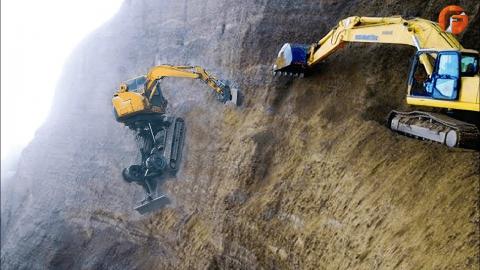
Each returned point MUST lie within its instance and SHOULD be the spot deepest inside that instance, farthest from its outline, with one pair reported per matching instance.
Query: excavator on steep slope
(443, 74)
(140, 105)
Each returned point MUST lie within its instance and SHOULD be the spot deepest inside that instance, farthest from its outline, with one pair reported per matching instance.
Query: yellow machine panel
(128, 103)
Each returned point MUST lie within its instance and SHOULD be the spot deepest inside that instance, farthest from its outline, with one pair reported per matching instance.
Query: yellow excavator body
(138, 95)
(468, 99)
(443, 74)
(128, 103)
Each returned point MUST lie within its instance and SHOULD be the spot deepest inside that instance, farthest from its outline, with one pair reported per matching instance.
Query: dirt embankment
(303, 176)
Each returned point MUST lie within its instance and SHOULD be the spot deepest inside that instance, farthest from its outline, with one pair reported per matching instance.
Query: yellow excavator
(443, 74)
(141, 106)
(142, 95)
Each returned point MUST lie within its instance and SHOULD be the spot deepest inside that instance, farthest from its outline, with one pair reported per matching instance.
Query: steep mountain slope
(303, 175)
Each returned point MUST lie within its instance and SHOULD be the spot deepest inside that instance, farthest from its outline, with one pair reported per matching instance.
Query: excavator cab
(136, 84)
(448, 69)
(452, 84)
(130, 99)
(443, 82)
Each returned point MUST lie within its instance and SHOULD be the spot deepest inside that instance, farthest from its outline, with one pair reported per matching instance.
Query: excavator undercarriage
(434, 127)
(161, 138)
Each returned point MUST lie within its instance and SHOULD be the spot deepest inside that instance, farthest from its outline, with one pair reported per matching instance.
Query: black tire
(389, 119)
(146, 146)
(134, 173)
(156, 162)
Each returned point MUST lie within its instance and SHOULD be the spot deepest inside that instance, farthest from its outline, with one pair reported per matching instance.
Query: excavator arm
(157, 73)
(420, 33)
(137, 96)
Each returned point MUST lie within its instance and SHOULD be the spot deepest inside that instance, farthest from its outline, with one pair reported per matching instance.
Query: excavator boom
(420, 33)
(220, 87)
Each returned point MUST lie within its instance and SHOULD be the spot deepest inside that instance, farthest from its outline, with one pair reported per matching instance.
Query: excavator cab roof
(136, 84)
(468, 51)
(469, 60)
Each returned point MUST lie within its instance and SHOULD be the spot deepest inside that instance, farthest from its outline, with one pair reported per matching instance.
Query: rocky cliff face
(303, 175)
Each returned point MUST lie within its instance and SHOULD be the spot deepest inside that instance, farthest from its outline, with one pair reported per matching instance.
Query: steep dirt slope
(303, 175)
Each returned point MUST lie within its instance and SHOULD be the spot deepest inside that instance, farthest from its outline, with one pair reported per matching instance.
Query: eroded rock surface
(303, 176)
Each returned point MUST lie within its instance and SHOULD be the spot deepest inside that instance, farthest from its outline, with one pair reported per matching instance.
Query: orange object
(453, 19)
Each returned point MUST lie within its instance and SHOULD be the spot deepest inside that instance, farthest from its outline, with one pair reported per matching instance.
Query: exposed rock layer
(304, 175)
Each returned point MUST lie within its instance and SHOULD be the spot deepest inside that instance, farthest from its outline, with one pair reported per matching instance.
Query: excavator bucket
(149, 206)
(234, 97)
(229, 95)
(291, 60)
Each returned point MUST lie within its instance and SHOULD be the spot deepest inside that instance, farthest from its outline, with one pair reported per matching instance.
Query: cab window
(445, 81)
(469, 65)
(141, 81)
(136, 84)
(448, 65)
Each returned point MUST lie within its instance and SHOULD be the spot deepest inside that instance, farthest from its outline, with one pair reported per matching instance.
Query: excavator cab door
(419, 82)
(446, 77)
(444, 82)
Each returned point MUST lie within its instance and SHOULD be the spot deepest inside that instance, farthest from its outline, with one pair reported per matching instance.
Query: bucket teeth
(288, 74)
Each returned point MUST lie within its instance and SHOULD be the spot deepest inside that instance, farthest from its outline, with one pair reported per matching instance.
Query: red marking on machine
(453, 19)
